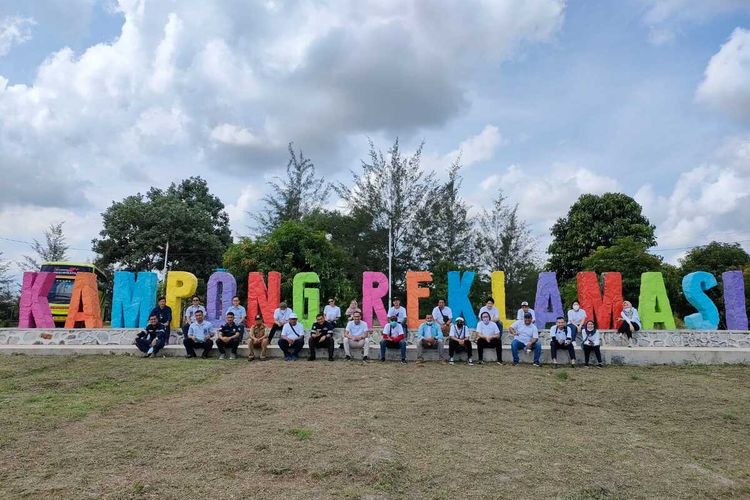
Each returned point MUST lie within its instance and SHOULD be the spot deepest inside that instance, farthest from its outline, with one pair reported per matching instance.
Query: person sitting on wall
(151, 339)
(240, 315)
(292, 339)
(489, 335)
(459, 338)
(199, 335)
(561, 337)
(332, 313)
(526, 337)
(631, 322)
(429, 336)
(356, 335)
(230, 335)
(163, 315)
(576, 317)
(280, 318)
(494, 312)
(399, 312)
(189, 316)
(591, 341)
(321, 336)
(258, 338)
(443, 316)
(393, 338)
(525, 309)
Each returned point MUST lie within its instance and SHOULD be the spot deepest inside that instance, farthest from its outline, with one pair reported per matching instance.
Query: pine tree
(53, 249)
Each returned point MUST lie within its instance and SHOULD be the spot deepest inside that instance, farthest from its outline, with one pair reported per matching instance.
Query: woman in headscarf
(631, 322)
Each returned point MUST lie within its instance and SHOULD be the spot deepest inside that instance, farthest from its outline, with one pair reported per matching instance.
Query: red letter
(603, 310)
(261, 298)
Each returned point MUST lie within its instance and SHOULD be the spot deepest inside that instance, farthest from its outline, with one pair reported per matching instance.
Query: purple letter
(548, 303)
(734, 300)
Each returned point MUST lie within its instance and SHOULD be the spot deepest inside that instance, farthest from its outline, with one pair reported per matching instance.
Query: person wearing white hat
(525, 309)
(459, 338)
(292, 339)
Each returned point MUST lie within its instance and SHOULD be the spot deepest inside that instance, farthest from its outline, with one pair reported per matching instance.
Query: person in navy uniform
(321, 336)
(152, 338)
(230, 336)
(163, 315)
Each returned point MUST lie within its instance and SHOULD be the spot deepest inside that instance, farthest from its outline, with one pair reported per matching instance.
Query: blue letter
(694, 286)
(133, 300)
(458, 296)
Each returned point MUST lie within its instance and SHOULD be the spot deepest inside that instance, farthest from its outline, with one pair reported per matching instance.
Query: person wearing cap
(280, 318)
(199, 335)
(239, 311)
(393, 338)
(321, 336)
(443, 316)
(258, 338)
(429, 336)
(488, 335)
(332, 312)
(230, 335)
(561, 337)
(356, 335)
(524, 310)
(526, 336)
(399, 312)
(459, 338)
(292, 338)
(189, 316)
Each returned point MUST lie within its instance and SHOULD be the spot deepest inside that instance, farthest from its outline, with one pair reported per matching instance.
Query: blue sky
(546, 100)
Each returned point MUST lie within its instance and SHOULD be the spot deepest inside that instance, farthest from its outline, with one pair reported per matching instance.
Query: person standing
(258, 338)
(163, 315)
(489, 335)
(356, 335)
(443, 316)
(591, 341)
(332, 313)
(429, 336)
(525, 309)
(459, 338)
(526, 336)
(240, 315)
(230, 336)
(189, 316)
(561, 337)
(152, 338)
(199, 335)
(280, 318)
(630, 321)
(292, 339)
(399, 312)
(321, 336)
(393, 338)
(576, 317)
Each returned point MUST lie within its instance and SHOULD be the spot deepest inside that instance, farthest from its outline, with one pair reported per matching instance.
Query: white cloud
(665, 18)
(726, 85)
(480, 147)
(14, 30)
(238, 211)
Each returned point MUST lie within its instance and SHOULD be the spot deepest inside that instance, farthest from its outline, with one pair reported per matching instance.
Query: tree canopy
(53, 249)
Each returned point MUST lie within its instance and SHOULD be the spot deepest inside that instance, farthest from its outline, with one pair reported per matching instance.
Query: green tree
(291, 248)
(53, 249)
(186, 215)
(296, 195)
(592, 222)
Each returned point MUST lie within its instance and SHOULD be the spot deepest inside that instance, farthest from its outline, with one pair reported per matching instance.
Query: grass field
(122, 427)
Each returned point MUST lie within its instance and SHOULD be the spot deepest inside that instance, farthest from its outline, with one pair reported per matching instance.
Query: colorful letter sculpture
(220, 289)
(653, 303)
(734, 300)
(133, 299)
(180, 285)
(548, 303)
(262, 300)
(306, 300)
(498, 295)
(34, 311)
(458, 296)
(694, 286)
(84, 303)
(603, 308)
(414, 292)
(374, 288)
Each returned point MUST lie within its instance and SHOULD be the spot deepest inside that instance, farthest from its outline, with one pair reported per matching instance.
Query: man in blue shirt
(163, 315)
(429, 336)
(198, 336)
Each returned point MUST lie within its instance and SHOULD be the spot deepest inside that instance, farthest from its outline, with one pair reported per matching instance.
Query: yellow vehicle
(60, 293)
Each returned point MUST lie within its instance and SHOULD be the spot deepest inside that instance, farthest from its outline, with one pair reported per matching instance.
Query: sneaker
(600, 365)
(403, 361)
(537, 365)
(499, 362)
(150, 351)
(365, 359)
(232, 356)
(450, 361)
(222, 356)
(348, 358)
(147, 355)
(528, 351)
(469, 362)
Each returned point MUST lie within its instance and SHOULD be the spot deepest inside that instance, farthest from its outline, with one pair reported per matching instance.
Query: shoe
(150, 351)
(515, 363)
(348, 358)
(528, 351)
(188, 356)
(480, 362)
(499, 363)
(232, 356)
(365, 359)
(251, 358)
(147, 355)
(222, 356)
(469, 362)
(450, 361)
(403, 361)
(537, 365)
(600, 365)
(382, 360)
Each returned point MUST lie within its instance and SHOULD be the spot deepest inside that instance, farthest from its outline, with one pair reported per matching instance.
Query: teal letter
(694, 286)
(458, 296)
(132, 300)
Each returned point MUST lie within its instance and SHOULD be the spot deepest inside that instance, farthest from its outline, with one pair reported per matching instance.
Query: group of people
(438, 329)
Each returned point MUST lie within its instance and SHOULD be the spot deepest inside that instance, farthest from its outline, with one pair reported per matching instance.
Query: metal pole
(166, 254)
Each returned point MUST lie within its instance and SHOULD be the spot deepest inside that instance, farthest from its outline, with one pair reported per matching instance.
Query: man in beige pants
(356, 336)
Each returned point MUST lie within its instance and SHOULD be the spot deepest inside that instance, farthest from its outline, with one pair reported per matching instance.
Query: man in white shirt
(189, 316)
(576, 317)
(561, 337)
(526, 337)
(280, 318)
(292, 338)
(332, 312)
(356, 336)
(524, 310)
(239, 311)
(488, 335)
(443, 316)
(199, 336)
(459, 338)
(393, 338)
(399, 312)
(494, 312)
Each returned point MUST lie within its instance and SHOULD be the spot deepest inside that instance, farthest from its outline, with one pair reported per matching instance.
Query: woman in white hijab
(631, 322)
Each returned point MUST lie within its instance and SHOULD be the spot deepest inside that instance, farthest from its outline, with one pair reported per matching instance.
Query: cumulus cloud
(726, 84)
(14, 30)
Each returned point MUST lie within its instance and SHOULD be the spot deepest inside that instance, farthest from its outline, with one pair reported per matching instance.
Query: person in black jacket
(321, 335)
(151, 339)
(163, 315)
(230, 335)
